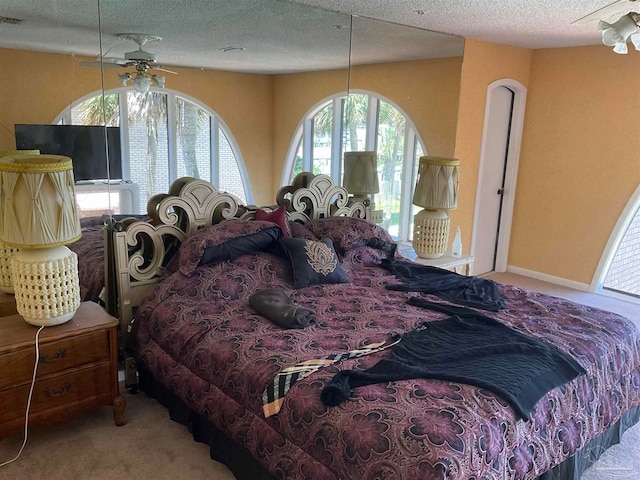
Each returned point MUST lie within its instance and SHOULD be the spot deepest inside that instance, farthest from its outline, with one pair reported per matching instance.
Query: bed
(202, 349)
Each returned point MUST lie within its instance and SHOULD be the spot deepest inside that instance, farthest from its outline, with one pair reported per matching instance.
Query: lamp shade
(141, 83)
(437, 183)
(38, 201)
(6, 252)
(361, 173)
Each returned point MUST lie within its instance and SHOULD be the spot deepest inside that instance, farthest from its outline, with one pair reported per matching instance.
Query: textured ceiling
(287, 36)
(522, 23)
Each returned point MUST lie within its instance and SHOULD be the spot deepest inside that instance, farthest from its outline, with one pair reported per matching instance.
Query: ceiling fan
(625, 28)
(140, 59)
(606, 11)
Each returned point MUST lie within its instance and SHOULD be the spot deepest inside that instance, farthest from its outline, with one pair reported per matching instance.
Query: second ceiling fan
(142, 60)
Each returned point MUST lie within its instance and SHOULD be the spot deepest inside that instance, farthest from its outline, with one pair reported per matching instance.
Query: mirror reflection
(403, 104)
(404, 86)
(219, 64)
(241, 93)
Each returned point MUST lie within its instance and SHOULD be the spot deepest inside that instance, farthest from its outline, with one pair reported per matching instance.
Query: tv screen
(85, 145)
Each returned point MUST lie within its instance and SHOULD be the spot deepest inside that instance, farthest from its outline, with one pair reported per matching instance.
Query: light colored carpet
(629, 309)
(152, 447)
(90, 447)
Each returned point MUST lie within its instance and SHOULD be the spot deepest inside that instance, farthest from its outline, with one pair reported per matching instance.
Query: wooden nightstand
(78, 368)
(462, 264)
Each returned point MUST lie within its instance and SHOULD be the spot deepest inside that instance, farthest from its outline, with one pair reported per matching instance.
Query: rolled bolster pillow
(282, 310)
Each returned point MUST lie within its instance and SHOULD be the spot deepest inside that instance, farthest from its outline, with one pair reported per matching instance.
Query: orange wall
(483, 64)
(578, 166)
(579, 161)
(37, 86)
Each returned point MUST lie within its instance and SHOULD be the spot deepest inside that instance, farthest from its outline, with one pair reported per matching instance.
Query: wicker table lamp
(436, 191)
(38, 215)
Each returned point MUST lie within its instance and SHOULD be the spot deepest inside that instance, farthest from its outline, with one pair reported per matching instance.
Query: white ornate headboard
(142, 248)
(316, 196)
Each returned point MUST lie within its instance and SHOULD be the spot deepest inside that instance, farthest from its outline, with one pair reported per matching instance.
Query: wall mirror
(404, 86)
(246, 74)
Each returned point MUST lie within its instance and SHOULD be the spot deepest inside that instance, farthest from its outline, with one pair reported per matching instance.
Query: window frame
(304, 135)
(215, 123)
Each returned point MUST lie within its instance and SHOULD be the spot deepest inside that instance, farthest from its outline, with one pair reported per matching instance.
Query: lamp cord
(26, 417)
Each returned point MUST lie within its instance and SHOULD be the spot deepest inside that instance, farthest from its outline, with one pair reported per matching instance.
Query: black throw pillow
(313, 262)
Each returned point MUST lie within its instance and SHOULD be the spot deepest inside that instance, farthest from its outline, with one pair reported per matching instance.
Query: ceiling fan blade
(100, 64)
(605, 11)
(162, 69)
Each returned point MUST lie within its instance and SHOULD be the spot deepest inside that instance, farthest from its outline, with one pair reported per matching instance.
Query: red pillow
(279, 217)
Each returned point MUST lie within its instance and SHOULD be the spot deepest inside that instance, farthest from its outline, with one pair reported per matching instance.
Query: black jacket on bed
(472, 349)
(470, 291)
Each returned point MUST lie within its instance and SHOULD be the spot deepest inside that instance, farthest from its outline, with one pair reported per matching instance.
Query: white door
(489, 199)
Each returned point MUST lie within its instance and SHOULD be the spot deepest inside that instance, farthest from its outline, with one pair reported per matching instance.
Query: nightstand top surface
(15, 332)
(445, 261)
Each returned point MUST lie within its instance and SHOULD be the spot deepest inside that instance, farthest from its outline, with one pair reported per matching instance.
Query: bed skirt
(245, 467)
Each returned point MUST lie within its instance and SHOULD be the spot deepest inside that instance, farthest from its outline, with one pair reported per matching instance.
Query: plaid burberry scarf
(273, 396)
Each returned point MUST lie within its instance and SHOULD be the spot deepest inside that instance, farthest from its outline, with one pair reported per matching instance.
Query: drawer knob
(59, 355)
(65, 388)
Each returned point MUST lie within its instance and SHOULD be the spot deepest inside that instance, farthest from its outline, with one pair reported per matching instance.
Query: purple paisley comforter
(90, 251)
(201, 339)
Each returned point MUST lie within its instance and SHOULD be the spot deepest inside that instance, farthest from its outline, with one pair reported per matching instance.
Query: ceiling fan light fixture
(141, 83)
(123, 78)
(158, 81)
(616, 34)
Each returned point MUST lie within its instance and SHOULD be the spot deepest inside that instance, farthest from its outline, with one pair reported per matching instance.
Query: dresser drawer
(16, 368)
(88, 386)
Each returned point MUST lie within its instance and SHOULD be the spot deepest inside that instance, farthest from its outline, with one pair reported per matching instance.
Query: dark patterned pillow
(313, 262)
(226, 240)
(278, 216)
(298, 230)
(348, 232)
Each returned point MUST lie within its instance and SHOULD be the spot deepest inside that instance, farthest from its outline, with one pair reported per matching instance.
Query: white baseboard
(583, 287)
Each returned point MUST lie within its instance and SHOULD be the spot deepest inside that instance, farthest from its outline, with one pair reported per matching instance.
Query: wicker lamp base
(46, 285)
(430, 233)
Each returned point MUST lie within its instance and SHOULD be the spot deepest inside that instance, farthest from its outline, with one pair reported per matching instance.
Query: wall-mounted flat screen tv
(85, 145)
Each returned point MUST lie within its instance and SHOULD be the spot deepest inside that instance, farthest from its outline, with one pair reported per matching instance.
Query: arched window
(623, 275)
(618, 272)
(165, 135)
(362, 121)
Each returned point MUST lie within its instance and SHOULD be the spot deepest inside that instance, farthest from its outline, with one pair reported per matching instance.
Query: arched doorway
(498, 167)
